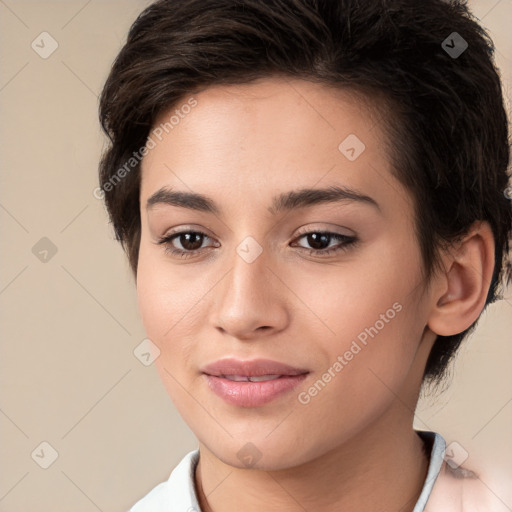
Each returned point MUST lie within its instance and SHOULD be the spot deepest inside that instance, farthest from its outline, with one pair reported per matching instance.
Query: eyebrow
(286, 201)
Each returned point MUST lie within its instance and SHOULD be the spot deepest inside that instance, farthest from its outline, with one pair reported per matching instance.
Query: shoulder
(461, 489)
(175, 494)
(156, 500)
(452, 485)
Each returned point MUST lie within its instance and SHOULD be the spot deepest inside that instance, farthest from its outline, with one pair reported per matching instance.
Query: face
(284, 318)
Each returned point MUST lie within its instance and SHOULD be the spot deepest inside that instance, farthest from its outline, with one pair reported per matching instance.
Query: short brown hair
(448, 128)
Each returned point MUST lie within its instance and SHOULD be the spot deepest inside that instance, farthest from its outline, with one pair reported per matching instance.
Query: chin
(260, 453)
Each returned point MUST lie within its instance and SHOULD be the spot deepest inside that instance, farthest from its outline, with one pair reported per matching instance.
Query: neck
(382, 468)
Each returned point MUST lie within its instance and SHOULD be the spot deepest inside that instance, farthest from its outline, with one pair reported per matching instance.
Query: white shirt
(445, 489)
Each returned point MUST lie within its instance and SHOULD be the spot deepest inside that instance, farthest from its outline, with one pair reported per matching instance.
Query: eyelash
(346, 242)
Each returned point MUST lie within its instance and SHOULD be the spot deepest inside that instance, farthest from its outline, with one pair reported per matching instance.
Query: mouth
(252, 383)
(249, 369)
(245, 378)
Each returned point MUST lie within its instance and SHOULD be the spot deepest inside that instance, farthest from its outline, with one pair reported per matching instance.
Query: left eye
(322, 242)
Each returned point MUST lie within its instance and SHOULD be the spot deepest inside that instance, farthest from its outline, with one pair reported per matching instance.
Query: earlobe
(463, 286)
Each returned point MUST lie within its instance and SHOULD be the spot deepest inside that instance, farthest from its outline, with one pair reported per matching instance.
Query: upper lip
(250, 368)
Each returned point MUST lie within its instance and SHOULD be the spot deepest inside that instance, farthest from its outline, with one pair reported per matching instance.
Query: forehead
(268, 135)
(291, 109)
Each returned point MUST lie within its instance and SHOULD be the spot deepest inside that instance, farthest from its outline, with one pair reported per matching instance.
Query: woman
(313, 199)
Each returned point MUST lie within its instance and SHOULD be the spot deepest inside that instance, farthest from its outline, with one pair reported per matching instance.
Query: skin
(352, 447)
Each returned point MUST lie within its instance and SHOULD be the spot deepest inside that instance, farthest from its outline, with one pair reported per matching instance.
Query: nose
(250, 301)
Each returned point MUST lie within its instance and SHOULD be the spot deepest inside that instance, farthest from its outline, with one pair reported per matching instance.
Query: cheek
(371, 320)
(368, 365)
(166, 310)
(173, 302)
(168, 296)
(359, 295)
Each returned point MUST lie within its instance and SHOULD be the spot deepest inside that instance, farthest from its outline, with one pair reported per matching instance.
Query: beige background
(68, 375)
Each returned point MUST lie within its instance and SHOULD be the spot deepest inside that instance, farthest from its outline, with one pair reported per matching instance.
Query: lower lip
(253, 394)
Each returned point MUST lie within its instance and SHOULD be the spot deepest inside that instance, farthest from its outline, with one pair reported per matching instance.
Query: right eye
(184, 243)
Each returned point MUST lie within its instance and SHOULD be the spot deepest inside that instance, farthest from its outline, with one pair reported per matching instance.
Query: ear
(461, 289)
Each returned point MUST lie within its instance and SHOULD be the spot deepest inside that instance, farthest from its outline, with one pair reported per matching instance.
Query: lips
(254, 378)
(252, 368)
(252, 383)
